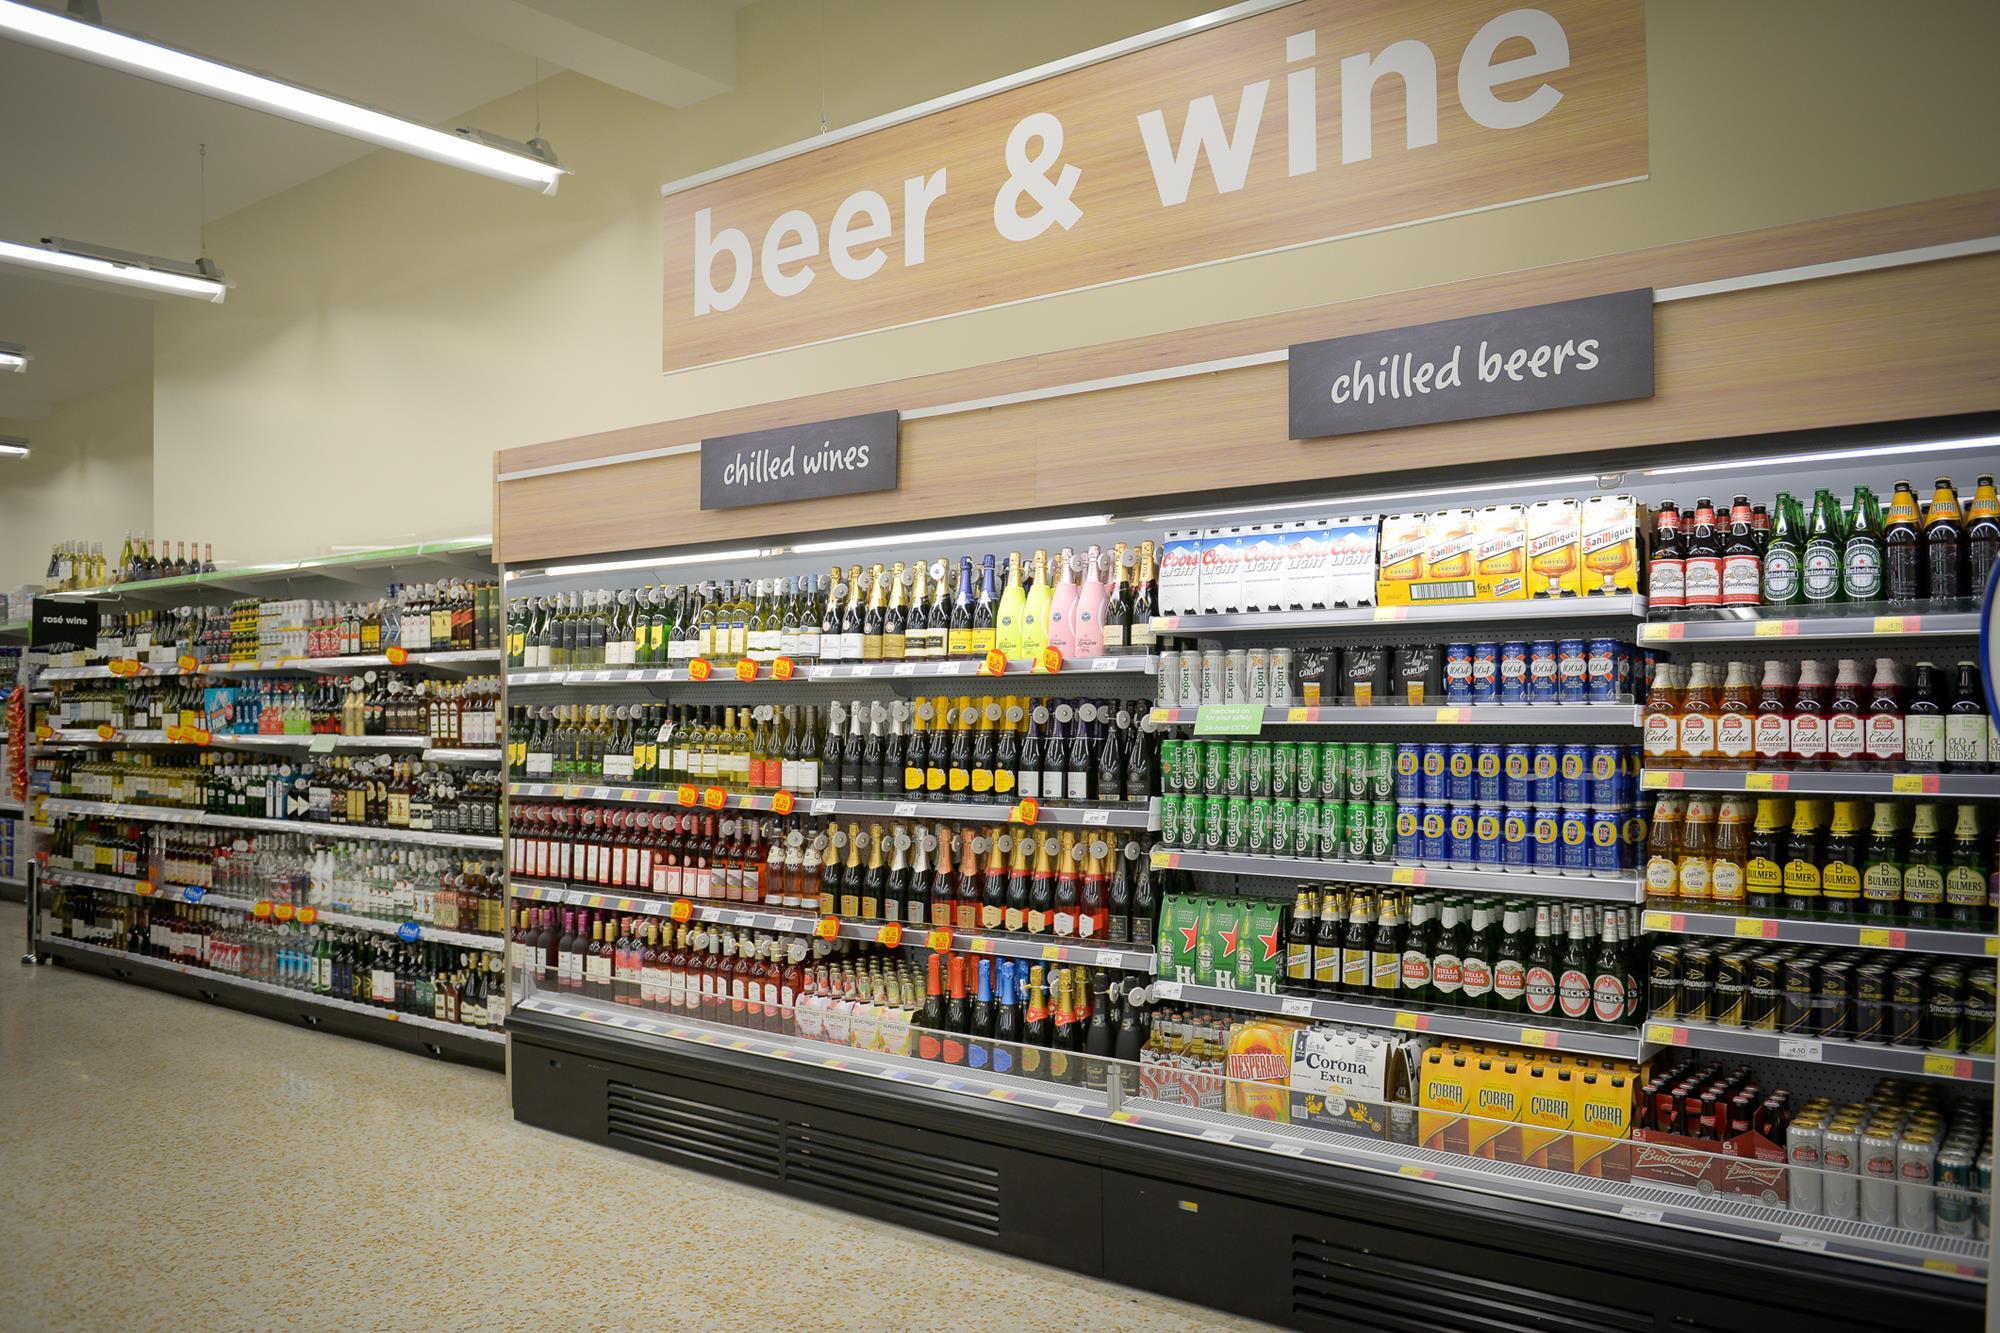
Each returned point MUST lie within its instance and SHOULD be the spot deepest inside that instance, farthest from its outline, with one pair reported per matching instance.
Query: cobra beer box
(1346, 1081)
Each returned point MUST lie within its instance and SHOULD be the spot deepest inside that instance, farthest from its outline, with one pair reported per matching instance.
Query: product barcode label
(1111, 960)
(902, 810)
(823, 805)
(905, 669)
(1166, 990)
(1104, 664)
(1218, 1136)
(949, 668)
(1096, 818)
(1798, 1242)
(1639, 1214)
(820, 673)
(1070, 1108)
(1798, 1048)
(864, 669)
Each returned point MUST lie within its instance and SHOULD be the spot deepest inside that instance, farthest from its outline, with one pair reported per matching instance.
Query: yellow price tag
(1770, 629)
(1451, 715)
(1750, 927)
(1941, 1266)
(1758, 782)
(1660, 1034)
(1907, 784)
(1403, 875)
(1051, 951)
(1944, 1065)
(1534, 1037)
(1993, 946)
(1410, 1169)
(1652, 778)
(1298, 714)
(1658, 921)
(1889, 624)
(1162, 860)
(1875, 939)
(1408, 1022)
(1652, 631)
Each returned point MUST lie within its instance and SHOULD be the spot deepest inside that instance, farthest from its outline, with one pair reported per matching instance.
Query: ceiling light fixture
(71, 259)
(532, 164)
(950, 534)
(1343, 501)
(1828, 456)
(650, 562)
(14, 357)
(13, 446)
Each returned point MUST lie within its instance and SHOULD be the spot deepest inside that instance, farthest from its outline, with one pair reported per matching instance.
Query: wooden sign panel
(1311, 121)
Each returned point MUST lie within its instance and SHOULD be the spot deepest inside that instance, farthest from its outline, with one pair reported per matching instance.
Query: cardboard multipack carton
(1500, 554)
(1179, 590)
(1352, 1082)
(1222, 552)
(1555, 565)
(1262, 577)
(1400, 566)
(1608, 540)
(1259, 1066)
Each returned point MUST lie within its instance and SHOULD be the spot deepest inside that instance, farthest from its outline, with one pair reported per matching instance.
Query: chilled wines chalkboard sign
(761, 467)
(1595, 350)
(52, 622)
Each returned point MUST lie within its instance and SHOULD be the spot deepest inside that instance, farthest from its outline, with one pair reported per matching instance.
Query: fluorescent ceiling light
(1828, 456)
(650, 562)
(522, 164)
(952, 534)
(1344, 501)
(13, 446)
(69, 259)
(14, 357)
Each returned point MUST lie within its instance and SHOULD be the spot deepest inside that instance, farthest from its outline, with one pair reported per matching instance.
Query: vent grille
(1355, 1288)
(676, 1128)
(918, 1187)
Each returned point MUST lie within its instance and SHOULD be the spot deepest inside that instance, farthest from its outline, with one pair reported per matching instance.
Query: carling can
(1486, 838)
(1459, 780)
(1167, 685)
(1607, 851)
(1606, 780)
(1381, 830)
(1236, 769)
(1435, 830)
(1431, 777)
(1572, 671)
(1284, 826)
(1485, 673)
(1542, 671)
(1515, 826)
(1601, 671)
(1354, 831)
(1573, 775)
(1458, 673)
(1409, 833)
(1486, 765)
(1409, 771)
(1260, 769)
(1214, 815)
(1574, 858)
(1305, 831)
(1545, 839)
(1354, 761)
(1513, 673)
(1381, 770)
(1236, 824)
(1544, 782)
(1258, 840)
(1459, 836)
(1284, 771)
(1517, 770)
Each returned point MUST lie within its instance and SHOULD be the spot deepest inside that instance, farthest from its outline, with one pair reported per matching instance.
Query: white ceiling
(93, 155)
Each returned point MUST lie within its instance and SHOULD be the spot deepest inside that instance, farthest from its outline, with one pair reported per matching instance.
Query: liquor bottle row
(77, 564)
(375, 791)
(450, 713)
(377, 880)
(461, 986)
(944, 749)
(1934, 554)
(1517, 672)
(1708, 715)
(1890, 863)
(1095, 886)
(1083, 604)
(1915, 1002)
(1473, 955)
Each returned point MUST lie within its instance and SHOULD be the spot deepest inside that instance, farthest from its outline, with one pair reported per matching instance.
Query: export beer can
(1212, 688)
(1601, 671)
(1513, 673)
(1515, 827)
(1236, 676)
(1284, 827)
(1354, 762)
(1170, 819)
(1916, 1196)
(1542, 671)
(1605, 784)
(1485, 673)
(1431, 776)
(1354, 828)
(1409, 834)
(1840, 1152)
(1284, 771)
(1409, 771)
(1486, 843)
(1458, 673)
(1332, 771)
(1435, 832)
(1278, 693)
(1167, 685)
(1258, 840)
(1305, 836)
(1486, 765)
(1458, 772)
(1572, 671)
(1545, 840)
(1460, 835)
(1187, 682)
(1573, 775)
(1236, 824)
(1544, 782)
(1260, 769)
(1517, 768)
(1236, 769)
(1381, 770)
(1607, 853)
(1214, 815)
(1307, 756)
(1257, 669)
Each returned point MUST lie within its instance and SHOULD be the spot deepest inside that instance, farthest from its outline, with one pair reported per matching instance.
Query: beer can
(1305, 836)
(1573, 775)
(1260, 769)
(1354, 762)
(1839, 1155)
(1574, 856)
(1545, 840)
(1435, 831)
(1236, 824)
(1409, 834)
(1760, 1000)
(1545, 781)
(1486, 782)
(1284, 771)
(1214, 767)
(1605, 783)
(1214, 815)
(1409, 771)
(1354, 831)
(1236, 676)
(1381, 770)
(1258, 839)
(1542, 671)
(1572, 671)
(1906, 1005)
(1458, 673)
(1170, 764)
(1381, 830)
(1257, 671)
(1517, 768)
(1236, 768)
(1278, 692)
(1799, 980)
(1485, 673)
(1332, 771)
(1607, 846)
(1459, 780)
(1486, 838)
(1731, 988)
(1697, 982)
(1957, 1205)
(1978, 1016)
(1515, 827)
(1459, 836)
(1284, 827)
(1212, 687)
(1188, 678)
(1513, 673)
(1601, 671)
(1802, 1149)
(1306, 758)
(1663, 983)
(1870, 1002)
(1833, 1002)
(1167, 685)
(1916, 1196)
(1944, 1008)
(1333, 820)
(1878, 1173)
(1431, 779)
(1170, 819)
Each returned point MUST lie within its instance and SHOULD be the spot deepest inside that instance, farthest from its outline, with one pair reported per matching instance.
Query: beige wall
(401, 321)
(88, 477)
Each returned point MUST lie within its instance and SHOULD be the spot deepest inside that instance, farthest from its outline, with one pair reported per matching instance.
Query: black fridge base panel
(1295, 1243)
(297, 1011)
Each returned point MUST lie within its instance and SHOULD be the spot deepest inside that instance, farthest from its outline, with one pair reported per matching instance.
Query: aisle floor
(166, 1163)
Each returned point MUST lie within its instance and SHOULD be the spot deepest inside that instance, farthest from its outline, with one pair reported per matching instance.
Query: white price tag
(1297, 1008)
(1639, 1214)
(1103, 664)
(1218, 1136)
(904, 809)
(1166, 990)
(905, 669)
(862, 669)
(1798, 1048)
(1099, 818)
(949, 668)
(823, 805)
(1070, 1108)
(1288, 1149)
(820, 673)
(1799, 1242)
(1111, 960)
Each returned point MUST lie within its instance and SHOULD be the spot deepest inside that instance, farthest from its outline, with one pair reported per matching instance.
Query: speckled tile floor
(170, 1164)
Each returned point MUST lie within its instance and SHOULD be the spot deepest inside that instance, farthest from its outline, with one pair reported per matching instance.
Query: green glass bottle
(1861, 551)
(1820, 576)
(1783, 554)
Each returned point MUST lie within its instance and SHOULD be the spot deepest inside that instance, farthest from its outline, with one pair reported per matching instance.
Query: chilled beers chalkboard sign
(51, 622)
(1595, 350)
(761, 467)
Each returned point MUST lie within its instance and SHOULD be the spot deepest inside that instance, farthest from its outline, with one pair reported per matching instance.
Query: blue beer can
(1573, 855)
(1627, 668)
(1486, 763)
(1409, 771)
(1515, 826)
(1573, 786)
(1542, 671)
(1409, 834)
(1513, 673)
(1606, 834)
(1517, 769)
(1485, 673)
(1459, 778)
(1601, 671)
(1431, 781)
(1632, 838)
(1460, 836)
(1458, 673)
(1572, 671)
(1543, 780)
(1436, 821)
(1607, 775)
(1486, 837)
(1545, 839)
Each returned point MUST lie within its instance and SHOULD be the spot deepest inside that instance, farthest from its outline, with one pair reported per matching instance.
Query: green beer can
(1354, 832)
(1258, 841)
(1236, 769)
(1170, 765)
(1214, 755)
(1354, 759)
(1284, 771)
(1381, 830)
(1305, 833)
(1284, 825)
(1213, 811)
(1381, 771)
(1305, 764)
(1332, 785)
(1260, 770)
(1332, 829)
(1236, 824)
(1170, 819)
